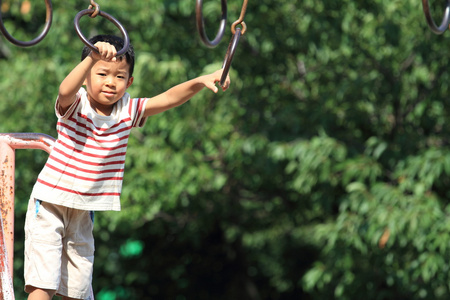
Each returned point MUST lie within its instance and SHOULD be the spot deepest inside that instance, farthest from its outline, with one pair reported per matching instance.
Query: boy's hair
(117, 42)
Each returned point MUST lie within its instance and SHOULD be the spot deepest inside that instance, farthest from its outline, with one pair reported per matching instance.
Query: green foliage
(322, 173)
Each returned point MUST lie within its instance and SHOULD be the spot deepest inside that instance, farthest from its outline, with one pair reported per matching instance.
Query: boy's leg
(43, 246)
(60, 252)
(40, 294)
(77, 256)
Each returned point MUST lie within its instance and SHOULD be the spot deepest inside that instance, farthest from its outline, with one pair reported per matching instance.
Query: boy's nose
(110, 81)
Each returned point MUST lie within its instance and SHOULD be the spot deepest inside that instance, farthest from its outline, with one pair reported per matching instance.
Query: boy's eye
(101, 74)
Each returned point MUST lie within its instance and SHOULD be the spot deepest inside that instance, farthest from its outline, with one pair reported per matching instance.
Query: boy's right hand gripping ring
(126, 39)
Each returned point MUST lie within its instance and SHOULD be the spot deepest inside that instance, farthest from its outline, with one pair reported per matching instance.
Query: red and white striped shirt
(86, 166)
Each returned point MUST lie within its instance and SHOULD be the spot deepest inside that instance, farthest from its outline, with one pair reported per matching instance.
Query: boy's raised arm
(182, 92)
(72, 83)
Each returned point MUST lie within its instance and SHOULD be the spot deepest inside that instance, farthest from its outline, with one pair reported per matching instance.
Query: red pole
(7, 200)
(6, 285)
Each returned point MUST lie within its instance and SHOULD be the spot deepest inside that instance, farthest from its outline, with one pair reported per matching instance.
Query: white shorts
(59, 249)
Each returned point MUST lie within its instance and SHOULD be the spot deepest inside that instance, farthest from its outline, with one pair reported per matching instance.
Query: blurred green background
(322, 173)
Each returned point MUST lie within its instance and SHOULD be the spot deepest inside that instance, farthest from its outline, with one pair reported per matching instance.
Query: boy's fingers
(106, 51)
(226, 84)
(109, 53)
(214, 88)
(211, 80)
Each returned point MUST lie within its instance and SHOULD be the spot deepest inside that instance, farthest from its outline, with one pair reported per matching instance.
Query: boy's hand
(210, 81)
(106, 51)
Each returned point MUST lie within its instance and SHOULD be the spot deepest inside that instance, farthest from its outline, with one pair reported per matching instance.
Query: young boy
(84, 171)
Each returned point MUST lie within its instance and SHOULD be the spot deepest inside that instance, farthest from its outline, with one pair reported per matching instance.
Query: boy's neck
(103, 110)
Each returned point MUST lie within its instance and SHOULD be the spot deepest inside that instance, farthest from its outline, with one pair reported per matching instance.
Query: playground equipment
(237, 32)
(93, 11)
(9, 142)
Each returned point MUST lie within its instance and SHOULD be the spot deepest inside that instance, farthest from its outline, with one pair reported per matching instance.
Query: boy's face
(106, 83)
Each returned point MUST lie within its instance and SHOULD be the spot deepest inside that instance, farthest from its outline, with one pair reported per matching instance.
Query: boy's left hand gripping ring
(126, 39)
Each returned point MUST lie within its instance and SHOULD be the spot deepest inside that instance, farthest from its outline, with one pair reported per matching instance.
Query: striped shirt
(86, 166)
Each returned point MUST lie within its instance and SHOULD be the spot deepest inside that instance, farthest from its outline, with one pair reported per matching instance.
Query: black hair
(117, 42)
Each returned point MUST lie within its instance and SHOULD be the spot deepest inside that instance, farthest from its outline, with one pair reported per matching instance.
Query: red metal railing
(9, 142)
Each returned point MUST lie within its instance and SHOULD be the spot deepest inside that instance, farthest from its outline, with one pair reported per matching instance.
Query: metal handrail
(9, 142)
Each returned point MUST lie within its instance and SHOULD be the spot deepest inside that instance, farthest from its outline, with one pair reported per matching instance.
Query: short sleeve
(71, 108)
(138, 109)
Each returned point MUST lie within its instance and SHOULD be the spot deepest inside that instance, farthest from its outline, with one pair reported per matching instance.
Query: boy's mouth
(108, 93)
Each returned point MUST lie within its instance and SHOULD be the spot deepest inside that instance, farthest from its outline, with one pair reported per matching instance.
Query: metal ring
(201, 24)
(126, 39)
(229, 56)
(445, 20)
(48, 23)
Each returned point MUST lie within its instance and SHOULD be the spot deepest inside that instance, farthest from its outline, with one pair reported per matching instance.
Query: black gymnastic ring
(201, 24)
(126, 39)
(229, 55)
(40, 37)
(445, 20)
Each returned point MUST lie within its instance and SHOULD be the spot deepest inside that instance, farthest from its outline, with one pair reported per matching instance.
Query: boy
(84, 171)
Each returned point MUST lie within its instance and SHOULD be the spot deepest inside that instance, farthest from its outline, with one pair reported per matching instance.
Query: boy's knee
(39, 294)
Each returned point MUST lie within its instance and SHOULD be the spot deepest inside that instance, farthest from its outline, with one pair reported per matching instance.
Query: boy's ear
(130, 81)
